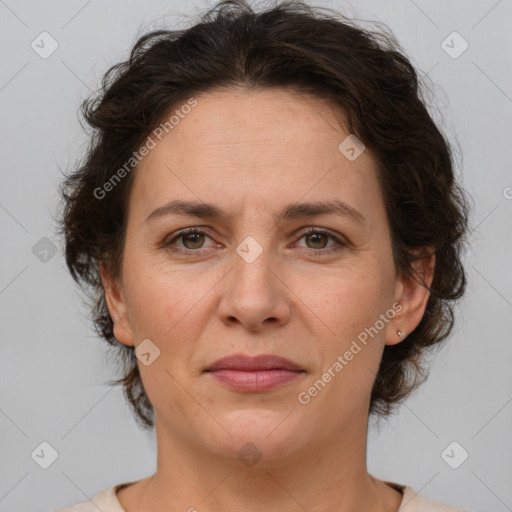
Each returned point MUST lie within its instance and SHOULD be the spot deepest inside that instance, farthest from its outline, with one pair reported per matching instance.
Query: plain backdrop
(53, 369)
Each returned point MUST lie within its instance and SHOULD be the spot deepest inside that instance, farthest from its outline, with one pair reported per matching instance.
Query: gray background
(54, 369)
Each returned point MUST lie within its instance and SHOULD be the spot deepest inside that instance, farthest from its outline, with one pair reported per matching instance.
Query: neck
(315, 478)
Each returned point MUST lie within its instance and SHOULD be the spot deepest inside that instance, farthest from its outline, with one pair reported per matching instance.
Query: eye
(316, 240)
(192, 239)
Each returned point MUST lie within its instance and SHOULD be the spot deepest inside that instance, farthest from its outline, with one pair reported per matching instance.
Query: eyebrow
(289, 212)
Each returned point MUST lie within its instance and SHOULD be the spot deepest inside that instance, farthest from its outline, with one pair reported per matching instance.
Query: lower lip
(254, 381)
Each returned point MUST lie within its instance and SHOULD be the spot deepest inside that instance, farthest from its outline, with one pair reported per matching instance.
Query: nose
(254, 294)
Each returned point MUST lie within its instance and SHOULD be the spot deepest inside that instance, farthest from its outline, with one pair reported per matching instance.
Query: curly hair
(291, 45)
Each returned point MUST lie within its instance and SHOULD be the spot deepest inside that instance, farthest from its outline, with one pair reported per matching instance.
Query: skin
(252, 153)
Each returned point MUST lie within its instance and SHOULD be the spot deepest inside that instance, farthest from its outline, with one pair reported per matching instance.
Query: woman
(269, 223)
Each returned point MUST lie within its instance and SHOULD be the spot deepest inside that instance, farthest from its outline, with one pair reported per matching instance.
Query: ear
(116, 305)
(412, 296)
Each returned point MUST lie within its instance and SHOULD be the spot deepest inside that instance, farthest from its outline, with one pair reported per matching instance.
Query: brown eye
(192, 240)
(316, 240)
(188, 241)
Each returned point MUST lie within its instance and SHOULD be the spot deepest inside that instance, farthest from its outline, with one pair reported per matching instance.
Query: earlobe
(116, 305)
(413, 296)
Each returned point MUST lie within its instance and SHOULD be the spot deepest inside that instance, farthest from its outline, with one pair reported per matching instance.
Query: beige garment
(106, 501)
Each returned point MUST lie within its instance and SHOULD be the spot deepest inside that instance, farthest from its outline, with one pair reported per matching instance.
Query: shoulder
(414, 502)
(105, 500)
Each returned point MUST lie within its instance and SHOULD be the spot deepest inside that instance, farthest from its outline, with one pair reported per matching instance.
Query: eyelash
(196, 231)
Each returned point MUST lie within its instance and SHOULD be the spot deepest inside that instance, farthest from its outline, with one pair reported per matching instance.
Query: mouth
(254, 374)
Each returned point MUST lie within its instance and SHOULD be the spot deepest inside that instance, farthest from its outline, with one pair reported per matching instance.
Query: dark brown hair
(291, 45)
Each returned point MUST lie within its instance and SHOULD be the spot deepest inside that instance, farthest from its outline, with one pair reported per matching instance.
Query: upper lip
(253, 363)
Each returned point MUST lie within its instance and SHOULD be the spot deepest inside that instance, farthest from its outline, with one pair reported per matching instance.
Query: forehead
(269, 144)
(258, 124)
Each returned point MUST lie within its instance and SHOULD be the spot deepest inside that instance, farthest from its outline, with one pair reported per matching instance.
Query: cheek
(349, 305)
(347, 300)
(169, 307)
(156, 297)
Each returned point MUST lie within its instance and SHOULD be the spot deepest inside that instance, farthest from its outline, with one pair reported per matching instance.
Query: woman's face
(253, 283)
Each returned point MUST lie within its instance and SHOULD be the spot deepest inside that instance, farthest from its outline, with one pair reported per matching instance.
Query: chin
(259, 437)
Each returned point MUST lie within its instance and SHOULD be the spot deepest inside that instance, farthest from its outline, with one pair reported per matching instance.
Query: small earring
(400, 333)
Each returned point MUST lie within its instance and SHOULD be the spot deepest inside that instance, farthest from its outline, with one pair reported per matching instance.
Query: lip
(254, 363)
(254, 374)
